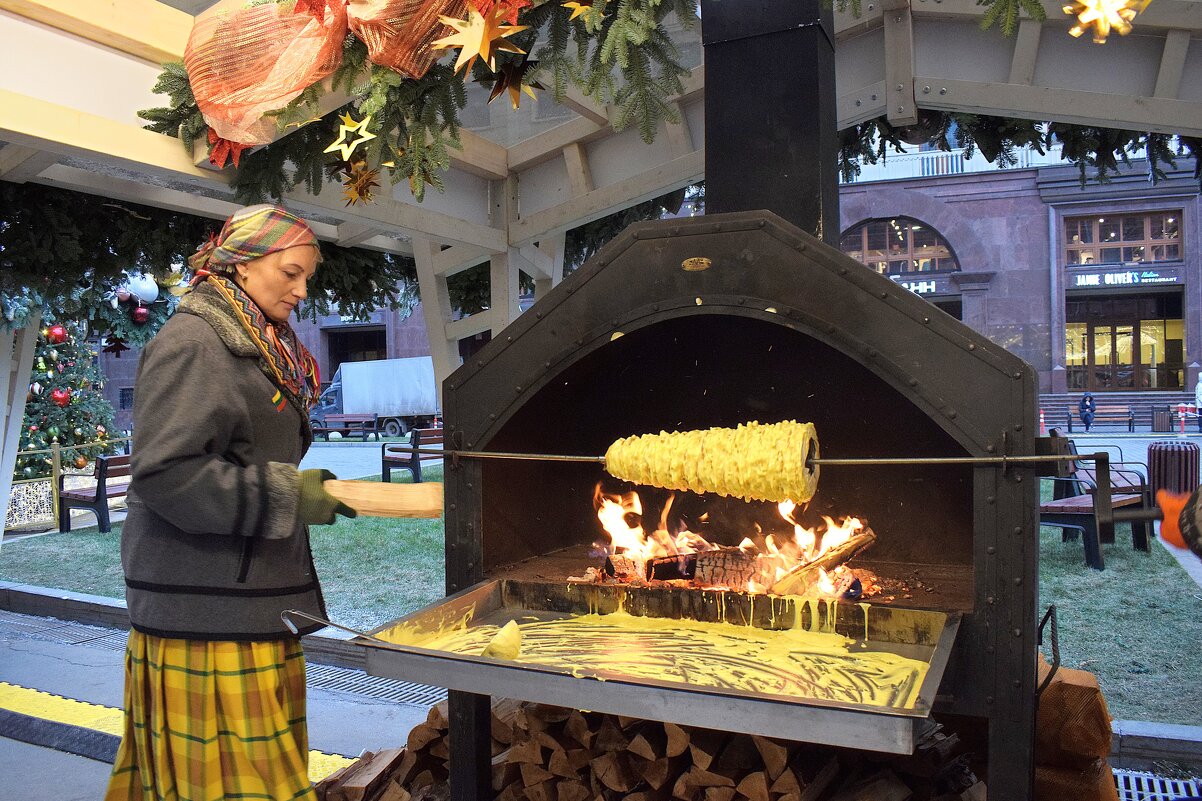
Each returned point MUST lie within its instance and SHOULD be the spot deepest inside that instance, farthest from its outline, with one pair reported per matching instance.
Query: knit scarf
(286, 361)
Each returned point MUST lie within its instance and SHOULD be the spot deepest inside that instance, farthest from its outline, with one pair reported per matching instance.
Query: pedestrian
(216, 543)
(1086, 409)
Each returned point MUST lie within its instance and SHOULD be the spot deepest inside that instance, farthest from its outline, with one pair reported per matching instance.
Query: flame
(621, 515)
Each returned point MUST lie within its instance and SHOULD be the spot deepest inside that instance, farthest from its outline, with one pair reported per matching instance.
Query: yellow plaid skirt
(207, 721)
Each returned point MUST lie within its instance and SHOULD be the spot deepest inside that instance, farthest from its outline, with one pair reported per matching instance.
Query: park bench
(111, 474)
(1121, 415)
(346, 424)
(409, 456)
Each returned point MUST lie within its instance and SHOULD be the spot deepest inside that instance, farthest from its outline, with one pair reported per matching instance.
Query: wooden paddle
(373, 499)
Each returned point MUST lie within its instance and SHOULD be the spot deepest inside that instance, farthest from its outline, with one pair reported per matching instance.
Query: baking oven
(720, 320)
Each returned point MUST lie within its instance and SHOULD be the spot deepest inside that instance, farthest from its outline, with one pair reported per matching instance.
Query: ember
(805, 561)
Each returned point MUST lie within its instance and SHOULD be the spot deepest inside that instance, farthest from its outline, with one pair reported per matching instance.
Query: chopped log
(803, 577)
(931, 756)
(882, 786)
(719, 793)
(439, 749)
(775, 755)
(821, 781)
(422, 735)
(754, 786)
(547, 741)
(641, 746)
(684, 789)
(325, 789)
(613, 771)
(678, 740)
(576, 727)
(610, 736)
(704, 778)
(786, 783)
(738, 757)
(393, 792)
(422, 780)
(438, 717)
(580, 758)
(655, 772)
(560, 765)
(704, 745)
(727, 567)
(526, 751)
(541, 792)
(504, 771)
(512, 792)
(371, 775)
(438, 791)
(548, 713)
(503, 711)
(573, 790)
(534, 774)
(790, 797)
(400, 774)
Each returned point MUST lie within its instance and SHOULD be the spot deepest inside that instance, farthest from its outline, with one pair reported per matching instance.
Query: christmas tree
(64, 405)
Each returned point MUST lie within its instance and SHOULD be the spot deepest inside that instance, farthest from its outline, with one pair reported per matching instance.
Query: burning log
(803, 577)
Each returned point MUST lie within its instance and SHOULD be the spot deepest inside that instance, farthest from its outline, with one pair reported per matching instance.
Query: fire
(755, 565)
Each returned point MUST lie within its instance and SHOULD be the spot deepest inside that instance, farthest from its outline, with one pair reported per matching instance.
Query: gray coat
(212, 548)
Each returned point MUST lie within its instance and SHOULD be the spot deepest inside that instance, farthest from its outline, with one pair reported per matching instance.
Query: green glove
(317, 506)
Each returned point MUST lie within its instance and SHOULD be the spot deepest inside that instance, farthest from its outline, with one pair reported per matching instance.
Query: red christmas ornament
(57, 334)
(61, 397)
(141, 314)
(33, 428)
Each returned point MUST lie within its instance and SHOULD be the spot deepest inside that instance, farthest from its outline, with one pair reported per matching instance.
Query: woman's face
(276, 282)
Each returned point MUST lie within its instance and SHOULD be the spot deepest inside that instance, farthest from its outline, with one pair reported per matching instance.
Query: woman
(1087, 407)
(216, 542)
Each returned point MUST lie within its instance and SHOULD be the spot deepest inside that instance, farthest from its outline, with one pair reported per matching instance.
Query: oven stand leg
(471, 746)
(1012, 758)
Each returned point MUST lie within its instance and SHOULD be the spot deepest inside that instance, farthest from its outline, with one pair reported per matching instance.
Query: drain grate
(1137, 786)
(328, 677)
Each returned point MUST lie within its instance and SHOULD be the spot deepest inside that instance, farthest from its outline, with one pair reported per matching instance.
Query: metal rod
(288, 614)
(1002, 460)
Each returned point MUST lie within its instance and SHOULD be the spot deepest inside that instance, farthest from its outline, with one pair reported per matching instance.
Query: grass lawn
(1137, 624)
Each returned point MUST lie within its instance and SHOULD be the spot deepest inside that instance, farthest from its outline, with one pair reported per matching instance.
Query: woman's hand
(316, 506)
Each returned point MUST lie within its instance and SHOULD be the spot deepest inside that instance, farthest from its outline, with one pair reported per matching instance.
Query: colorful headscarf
(252, 233)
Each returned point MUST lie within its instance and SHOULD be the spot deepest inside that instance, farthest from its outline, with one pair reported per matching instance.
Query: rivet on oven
(1018, 426)
(972, 346)
(989, 699)
(990, 499)
(451, 506)
(991, 549)
(538, 315)
(1017, 632)
(913, 382)
(801, 246)
(492, 417)
(480, 363)
(1018, 477)
(547, 365)
(1018, 530)
(926, 319)
(1017, 683)
(1018, 581)
(517, 389)
(884, 293)
(509, 339)
(614, 321)
(990, 449)
(951, 413)
(741, 301)
(989, 600)
(842, 271)
(1018, 374)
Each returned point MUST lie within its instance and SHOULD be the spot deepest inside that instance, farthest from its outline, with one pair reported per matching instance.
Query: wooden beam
(678, 135)
(1156, 114)
(899, 63)
(16, 362)
(1026, 52)
(553, 247)
(504, 273)
(436, 309)
(550, 144)
(353, 232)
(1172, 64)
(457, 259)
(538, 264)
(474, 324)
(588, 107)
(608, 199)
(865, 104)
(146, 29)
(20, 164)
(480, 156)
(580, 177)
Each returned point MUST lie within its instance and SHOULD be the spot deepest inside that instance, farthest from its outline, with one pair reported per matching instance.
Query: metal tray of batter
(917, 634)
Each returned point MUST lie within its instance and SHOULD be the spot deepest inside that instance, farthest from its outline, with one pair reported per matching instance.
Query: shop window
(125, 398)
(1123, 238)
(899, 246)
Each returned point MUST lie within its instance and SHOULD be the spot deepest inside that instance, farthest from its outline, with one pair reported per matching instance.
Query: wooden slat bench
(1120, 415)
(347, 424)
(111, 474)
(1077, 513)
(409, 456)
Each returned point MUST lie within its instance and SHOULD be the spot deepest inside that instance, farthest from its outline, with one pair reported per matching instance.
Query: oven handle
(1050, 616)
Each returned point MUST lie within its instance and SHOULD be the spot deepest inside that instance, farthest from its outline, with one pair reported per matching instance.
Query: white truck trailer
(402, 393)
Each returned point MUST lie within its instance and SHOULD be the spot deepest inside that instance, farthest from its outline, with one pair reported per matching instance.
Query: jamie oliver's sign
(922, 286)
(1124, 278)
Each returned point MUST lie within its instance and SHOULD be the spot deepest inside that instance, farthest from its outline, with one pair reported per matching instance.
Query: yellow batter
(794, 662)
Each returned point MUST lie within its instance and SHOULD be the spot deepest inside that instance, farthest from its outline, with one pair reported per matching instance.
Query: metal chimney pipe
(771, 139)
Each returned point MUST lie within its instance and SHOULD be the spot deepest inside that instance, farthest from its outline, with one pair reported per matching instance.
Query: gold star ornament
(593, 11)
(348, 127)
(511, 78)
(480, 36)
(1103, 16)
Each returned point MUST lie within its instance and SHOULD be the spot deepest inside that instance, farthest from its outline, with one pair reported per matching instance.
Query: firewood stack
(1072, 739)
(548, 753)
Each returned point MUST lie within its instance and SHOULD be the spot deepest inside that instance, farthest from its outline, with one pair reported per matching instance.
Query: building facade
(1097, 287)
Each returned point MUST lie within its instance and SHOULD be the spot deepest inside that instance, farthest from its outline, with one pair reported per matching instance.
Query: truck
(402, 393)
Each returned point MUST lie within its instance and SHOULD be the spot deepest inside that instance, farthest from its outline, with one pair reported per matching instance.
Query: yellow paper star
(1103, 16)
(591, 12)
(349, 126)
(479, 36)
